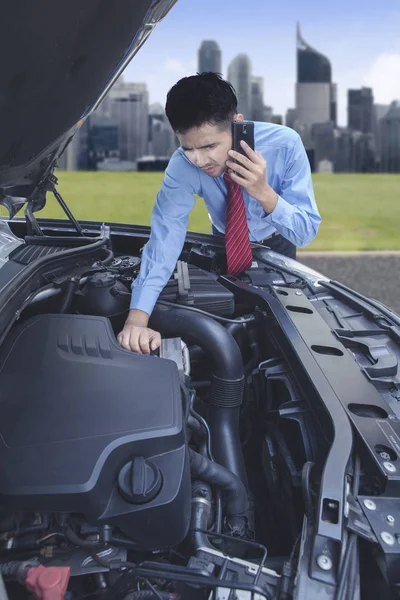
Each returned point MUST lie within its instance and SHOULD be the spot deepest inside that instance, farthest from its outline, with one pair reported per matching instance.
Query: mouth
(209, 170)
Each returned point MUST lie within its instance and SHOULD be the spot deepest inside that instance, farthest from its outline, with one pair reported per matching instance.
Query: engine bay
(94, 429)
(193, 472)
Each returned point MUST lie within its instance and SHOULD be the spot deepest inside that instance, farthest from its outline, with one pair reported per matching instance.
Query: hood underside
(57, 62)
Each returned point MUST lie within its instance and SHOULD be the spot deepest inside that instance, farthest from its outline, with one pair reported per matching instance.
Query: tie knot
(227, 177)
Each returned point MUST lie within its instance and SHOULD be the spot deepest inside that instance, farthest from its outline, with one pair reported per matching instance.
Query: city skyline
(361, 42)
(343, 129)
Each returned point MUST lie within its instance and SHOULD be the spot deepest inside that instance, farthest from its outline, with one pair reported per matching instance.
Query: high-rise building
(379, 111)
(104, 108)
(102, 139)
(315, 93)
(333, 104)
(209, 57)
(343, 151)
(363, 158)
(69, 158)
(290, 118)
(390, 139)
(239, 75)
(268, 112)
(82, 147)
(257, 99)
(162, 139)
(129, 106)
(360, 109)
(323, 135)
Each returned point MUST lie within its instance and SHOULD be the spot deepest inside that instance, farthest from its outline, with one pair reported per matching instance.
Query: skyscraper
(343, 150)
(102, 139)
(380, 110)
(267, 114)
(209, 57)
(290, 118)
(324, 138)
(315, 93)
(390, 139)
(239, 75)
(162, 139)
(360, 108)
(127, 104)
(130, 108)
(69, 158)
(257, 99)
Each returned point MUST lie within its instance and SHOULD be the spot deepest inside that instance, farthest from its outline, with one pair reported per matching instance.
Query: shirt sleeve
(296, 215)
(169, 221)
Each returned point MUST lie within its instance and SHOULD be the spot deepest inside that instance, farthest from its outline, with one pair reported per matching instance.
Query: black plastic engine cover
(198, 288)
(75, 410)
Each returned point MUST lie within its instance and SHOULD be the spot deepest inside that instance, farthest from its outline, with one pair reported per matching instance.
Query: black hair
(199, 99)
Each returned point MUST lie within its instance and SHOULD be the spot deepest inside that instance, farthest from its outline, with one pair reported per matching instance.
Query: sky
(361, 39)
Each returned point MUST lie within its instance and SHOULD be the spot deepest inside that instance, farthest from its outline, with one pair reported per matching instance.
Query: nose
(197, 158)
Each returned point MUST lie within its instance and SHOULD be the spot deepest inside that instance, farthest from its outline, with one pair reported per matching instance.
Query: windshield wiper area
(383, 316)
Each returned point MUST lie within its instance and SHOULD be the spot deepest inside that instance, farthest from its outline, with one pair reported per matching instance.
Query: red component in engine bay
(48, 583)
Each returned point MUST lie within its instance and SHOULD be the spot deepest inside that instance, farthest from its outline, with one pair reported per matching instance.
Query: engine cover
(87, 427)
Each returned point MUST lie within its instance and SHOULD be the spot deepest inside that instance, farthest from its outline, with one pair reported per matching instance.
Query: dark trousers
(277, 243)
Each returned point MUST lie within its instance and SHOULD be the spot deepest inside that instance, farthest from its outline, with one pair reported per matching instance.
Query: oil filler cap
(139, 481)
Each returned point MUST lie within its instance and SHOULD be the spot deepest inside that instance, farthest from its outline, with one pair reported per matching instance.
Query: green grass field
(359, 212)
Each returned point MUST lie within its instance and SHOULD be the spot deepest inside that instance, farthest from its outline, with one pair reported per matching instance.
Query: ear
(238, 117)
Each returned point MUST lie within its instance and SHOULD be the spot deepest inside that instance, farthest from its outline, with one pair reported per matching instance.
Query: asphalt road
(374, 274)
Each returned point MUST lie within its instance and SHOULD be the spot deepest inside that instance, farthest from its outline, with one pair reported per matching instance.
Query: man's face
(207, 147)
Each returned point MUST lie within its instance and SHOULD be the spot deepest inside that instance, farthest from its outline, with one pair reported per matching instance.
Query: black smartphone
(242, 130)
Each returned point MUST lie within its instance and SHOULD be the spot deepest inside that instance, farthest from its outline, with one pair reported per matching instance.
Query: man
(267, 198)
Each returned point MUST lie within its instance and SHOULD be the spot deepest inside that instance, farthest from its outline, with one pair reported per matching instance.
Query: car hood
(58, 61)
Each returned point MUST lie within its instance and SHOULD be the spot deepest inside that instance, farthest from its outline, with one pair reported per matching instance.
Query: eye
(210, 146)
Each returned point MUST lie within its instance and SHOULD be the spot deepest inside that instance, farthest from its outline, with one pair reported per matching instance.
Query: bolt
(389, 467)
(298, 293)
(324, 562)
(387, 538)
(370, 504)
(390, 519)
(385, 456)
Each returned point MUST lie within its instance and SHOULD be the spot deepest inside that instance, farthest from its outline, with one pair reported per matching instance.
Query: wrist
(137, 317)
(269, 199)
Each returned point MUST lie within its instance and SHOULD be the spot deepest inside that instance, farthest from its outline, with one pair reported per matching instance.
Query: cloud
(178, 67)
(382, 74)
(173, 64)
(383, 77)
(161, 79)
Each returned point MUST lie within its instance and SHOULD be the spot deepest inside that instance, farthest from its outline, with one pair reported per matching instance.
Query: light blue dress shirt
(295, 216)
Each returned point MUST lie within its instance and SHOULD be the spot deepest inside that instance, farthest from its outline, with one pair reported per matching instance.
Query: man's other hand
(251, 174)
(136, 336)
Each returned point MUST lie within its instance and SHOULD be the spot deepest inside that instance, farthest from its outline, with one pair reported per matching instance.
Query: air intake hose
(237, 503)
(227, 380)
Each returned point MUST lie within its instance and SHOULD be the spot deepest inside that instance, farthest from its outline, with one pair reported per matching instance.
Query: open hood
(58, 60)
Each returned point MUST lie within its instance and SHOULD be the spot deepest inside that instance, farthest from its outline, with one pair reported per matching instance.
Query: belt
(268, 237)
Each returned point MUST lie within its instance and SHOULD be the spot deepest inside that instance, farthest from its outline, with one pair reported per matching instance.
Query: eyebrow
(200, 147)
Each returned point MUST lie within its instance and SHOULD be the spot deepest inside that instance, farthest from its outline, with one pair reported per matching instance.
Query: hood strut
(65, 208)
(33, 225)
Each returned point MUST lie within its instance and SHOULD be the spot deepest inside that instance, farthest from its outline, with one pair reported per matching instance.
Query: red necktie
(237, 242)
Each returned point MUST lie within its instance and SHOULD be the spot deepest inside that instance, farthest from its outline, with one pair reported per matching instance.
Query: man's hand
(251, 174)
(136, 336)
